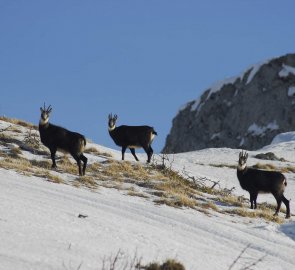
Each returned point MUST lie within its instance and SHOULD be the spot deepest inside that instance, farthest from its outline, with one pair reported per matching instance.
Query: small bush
(168, 265)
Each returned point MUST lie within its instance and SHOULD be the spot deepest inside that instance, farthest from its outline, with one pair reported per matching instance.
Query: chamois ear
(246, 156)
(115, 117)
(41, 109)
(240, 154)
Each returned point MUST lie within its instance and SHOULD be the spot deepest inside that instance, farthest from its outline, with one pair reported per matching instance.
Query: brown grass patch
(48, 175)
(67, 166)
(15, 152)
(18, 122)
(267, 167)
(132, 192)
(231, 200)
(45, 164)
(271, 167)
(210, 205)
(87, 181)
(177, 201)
(223, 166)
(258, 213)
(95, 151)
(17, 164)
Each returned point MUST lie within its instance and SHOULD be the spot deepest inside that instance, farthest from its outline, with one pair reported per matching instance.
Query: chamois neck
(43, 124)
(112, 128)
(242, 167)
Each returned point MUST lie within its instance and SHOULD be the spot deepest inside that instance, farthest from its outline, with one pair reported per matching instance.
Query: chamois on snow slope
(132, 137)
(259, 181)
(59, 138)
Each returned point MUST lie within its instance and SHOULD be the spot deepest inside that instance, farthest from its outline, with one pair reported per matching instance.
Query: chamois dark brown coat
(58, 138)
(259, 181)
(132, 137)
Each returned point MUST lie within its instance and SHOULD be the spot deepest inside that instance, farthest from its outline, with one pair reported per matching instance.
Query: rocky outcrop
(242, 112)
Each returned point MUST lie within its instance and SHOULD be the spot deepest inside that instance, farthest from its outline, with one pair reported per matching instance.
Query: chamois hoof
(288, 216)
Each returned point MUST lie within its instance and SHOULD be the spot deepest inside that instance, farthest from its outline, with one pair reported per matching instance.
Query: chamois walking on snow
(259, 181)
(132, 137)
(59, 138)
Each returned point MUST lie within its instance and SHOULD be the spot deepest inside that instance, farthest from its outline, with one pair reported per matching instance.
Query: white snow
(40, 227)
(254, 69)
(286, 70)
(260, 130)
(291, 91)
(284, 137)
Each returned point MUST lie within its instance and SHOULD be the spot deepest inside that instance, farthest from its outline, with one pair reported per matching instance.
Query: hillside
(246, 111)
(169, 209)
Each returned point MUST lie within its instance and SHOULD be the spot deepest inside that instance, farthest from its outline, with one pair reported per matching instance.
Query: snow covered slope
(44, 225)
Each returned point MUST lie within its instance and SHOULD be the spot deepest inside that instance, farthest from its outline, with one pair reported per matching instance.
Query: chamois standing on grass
(259, 181)
(59, 138)
(132, 137)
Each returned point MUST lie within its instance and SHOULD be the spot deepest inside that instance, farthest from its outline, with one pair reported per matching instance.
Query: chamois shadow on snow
(289, 229)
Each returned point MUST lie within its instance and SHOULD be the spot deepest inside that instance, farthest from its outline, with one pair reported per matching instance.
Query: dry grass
(210, 205)
(267, 167)
(17, 164)
(95, 151)
(18, 122)
(223, 166)
(49, 176)
(44, 164)
(119, 171)
(15, 152)
(266, 214)
(231, 200)
(271, 167)
(87, 181)
(132, 192)
(168, 265)
(67, 166)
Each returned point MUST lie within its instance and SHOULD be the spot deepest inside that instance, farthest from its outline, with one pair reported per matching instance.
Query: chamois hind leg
(151, 151)
(132, 150)
(52, 154)
(84, 159)
(147, 150)
(287, 203)
(123, 151)
(279, 202)
(78, 160)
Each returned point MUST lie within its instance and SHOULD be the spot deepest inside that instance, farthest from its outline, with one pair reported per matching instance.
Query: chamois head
(45, 114)
(112, 121)
(242, 160)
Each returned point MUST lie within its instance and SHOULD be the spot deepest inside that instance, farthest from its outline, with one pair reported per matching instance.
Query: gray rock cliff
(242, 112)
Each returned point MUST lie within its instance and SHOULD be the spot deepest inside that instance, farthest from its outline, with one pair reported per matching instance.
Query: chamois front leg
(84, 159)
(123, 151)
(52, 153)
(132, 150)
(253, 198)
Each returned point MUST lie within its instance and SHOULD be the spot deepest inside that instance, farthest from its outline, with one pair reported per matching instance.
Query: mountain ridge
(246, 111)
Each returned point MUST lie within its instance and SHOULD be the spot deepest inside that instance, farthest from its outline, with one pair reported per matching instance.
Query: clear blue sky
(139, 59)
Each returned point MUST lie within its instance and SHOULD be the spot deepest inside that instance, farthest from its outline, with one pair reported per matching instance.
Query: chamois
(259, 181)
(132, 137)
(58, 138)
